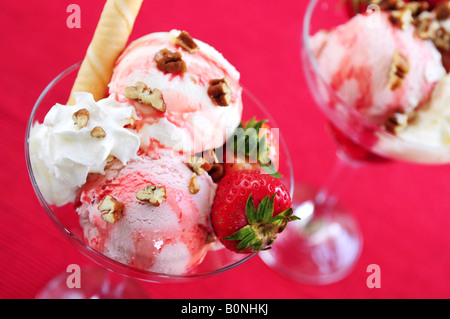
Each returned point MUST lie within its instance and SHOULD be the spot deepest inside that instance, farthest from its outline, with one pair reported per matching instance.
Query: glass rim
(95, 255)
(354, 113)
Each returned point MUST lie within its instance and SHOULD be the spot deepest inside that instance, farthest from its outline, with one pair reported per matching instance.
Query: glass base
(322, 248)
(95, 283)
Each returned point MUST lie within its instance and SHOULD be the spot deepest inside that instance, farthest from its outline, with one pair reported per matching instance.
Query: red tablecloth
(403, 209)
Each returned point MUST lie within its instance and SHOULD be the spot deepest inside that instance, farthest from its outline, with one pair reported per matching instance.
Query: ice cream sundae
(390, 62)
(139, 151)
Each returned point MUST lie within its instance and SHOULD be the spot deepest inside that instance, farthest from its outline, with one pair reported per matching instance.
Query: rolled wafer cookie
(109, 40)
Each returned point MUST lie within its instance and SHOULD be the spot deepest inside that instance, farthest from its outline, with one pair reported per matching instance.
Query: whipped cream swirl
(62, 155)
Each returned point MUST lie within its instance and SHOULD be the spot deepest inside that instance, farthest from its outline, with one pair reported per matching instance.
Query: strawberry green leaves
(263, 227)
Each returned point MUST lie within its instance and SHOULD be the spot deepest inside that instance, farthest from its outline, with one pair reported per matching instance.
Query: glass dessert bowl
(327, 244)
(217, 259)
(360, 138)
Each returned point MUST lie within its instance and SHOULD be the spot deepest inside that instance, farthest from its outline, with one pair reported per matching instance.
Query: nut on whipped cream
(63, 153)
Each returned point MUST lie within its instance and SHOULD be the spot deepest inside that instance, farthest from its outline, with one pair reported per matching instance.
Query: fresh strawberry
(360, 6)
(249, 210)
(254, 146)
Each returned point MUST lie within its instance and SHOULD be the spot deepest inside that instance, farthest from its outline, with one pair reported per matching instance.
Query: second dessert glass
(326, 245)
(114, 279)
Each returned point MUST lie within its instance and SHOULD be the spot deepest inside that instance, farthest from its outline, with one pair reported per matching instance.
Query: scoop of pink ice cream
(170, 238)
(356, 58)
(192, 122)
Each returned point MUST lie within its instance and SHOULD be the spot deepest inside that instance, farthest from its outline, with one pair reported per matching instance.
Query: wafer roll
(110, 37)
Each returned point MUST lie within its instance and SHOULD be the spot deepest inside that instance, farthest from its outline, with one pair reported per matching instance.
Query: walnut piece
(170, 62)
(220, 92)
(155, 195)
(397, 122)
(194, 186)
(210, 156)
(426, 26)
(198, 164)
(401, 18)
(388, 4)
(417, 7)
(98, 132)
(80, 118)
(143, 94)
(114, 208)
(442, 39)
(130, 123)
(186, 42)
(399, 68)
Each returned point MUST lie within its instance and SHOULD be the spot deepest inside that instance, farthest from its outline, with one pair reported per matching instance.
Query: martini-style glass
(114, 279)
(326, 245)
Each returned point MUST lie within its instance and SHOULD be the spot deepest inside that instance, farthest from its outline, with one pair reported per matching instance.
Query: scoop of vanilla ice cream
(356, 58)
(170, 238)
(191, 123)
(431, 124)
(62, 154)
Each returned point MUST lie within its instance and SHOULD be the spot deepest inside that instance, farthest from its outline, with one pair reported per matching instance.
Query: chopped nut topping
(110, 158)
(114, 208)
(216, 172)
(402, 18)
(210, 157)
(155, 195)
(199, 164)
(169, 61)
(154, 99)
(220, 92)
(194, 186)
(399, 68)
(81, 118)
(98, 132)
(144, 94)
(426, 26)
(417, 7)
(443, 10)
(186, 42)
(134, 92)
(389, 4)
(442, 39)
(429, 26)
(397, 122)
(131, 123)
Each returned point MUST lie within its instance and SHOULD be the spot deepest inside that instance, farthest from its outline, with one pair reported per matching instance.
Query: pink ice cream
(192, 122)
(355, 59)
(170, 238)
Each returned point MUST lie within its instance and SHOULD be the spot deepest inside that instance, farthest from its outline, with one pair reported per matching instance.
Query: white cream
(62, 155)
(427, 138)
(192, 122)
(432, 123)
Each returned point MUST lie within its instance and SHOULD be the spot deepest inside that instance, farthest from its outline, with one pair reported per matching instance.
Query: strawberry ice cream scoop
(376, 67)
(170, 236)
(192, 120)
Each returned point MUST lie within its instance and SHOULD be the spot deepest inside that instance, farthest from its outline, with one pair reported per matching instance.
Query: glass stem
(112, 286)
(340, 176)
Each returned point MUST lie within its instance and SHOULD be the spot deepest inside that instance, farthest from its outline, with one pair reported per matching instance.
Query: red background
(403, 209)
